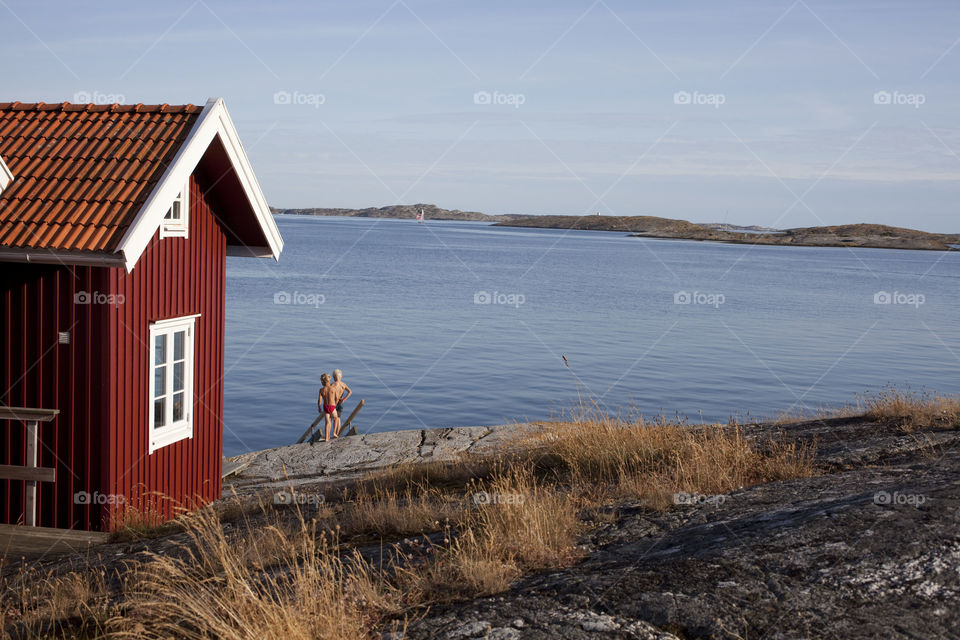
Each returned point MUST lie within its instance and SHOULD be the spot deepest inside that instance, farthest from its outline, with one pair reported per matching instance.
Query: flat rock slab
(351, 456)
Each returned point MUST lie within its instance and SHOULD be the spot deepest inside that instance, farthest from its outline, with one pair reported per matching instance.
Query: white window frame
(178, 228)
(182, 429)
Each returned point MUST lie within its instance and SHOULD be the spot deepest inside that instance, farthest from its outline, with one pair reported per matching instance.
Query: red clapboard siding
(99, 382)
(174, 277)
(36, 303)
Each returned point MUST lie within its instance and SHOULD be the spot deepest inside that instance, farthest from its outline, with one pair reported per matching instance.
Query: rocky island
(405, 211)
(850, 235)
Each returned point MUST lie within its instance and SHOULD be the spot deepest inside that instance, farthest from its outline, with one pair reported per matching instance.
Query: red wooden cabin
(115, 224)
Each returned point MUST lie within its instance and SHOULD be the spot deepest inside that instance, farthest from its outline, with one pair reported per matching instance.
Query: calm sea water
(450, 323)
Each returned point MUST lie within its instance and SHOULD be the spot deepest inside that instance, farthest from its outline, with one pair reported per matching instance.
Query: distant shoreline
(866, 236)
(400, 212)
(863, 235)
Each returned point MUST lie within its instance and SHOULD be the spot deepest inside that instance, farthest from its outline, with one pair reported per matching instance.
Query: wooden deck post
(352, 415)
(30, 509)
(306, 434)
(30, 473)
(343, 425)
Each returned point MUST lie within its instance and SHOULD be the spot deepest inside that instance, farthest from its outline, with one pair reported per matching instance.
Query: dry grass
(278, 573)
(652, 461)
(38, 605)
(911, 410)
(272, 582)
(517, 525)
(386, 512)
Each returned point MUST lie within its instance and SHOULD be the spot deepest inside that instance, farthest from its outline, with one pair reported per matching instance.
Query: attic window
(175, 222)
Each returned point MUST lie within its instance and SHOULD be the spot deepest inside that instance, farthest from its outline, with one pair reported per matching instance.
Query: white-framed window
(171, 380)
(175, 221)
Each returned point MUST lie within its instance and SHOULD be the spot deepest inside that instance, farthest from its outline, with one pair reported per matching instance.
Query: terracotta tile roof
(82, 172)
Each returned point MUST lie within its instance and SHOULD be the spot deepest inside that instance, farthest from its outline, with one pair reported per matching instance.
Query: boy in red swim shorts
(327, 405)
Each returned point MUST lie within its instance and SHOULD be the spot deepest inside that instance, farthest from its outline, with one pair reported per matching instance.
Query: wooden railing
(30, 473)
(343, 426)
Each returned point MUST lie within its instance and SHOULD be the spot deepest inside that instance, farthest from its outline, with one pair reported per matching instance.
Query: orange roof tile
(81, 172)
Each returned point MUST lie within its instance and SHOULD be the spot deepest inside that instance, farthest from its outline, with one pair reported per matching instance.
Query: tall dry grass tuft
(534, 524)
(387, 512)
(911, 410)
(652, 461)
(516, 524)
(271, 582)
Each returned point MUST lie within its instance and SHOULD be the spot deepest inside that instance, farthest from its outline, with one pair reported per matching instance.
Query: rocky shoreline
(869, 549)
(351, 456)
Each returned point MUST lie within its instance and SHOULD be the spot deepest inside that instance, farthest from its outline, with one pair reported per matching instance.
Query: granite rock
(351, 456)
(868, 548)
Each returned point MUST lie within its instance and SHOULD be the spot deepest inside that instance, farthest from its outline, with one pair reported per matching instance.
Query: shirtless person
(327, 404)
(341, 388)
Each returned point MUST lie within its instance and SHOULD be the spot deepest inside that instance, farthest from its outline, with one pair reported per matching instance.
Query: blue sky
(779, 113)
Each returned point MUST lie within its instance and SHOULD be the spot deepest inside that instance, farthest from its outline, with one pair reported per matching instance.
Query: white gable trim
(6, 176)
(213, 121)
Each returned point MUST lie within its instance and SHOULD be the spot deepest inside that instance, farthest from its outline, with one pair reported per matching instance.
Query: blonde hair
(337, 375)
(325, 379)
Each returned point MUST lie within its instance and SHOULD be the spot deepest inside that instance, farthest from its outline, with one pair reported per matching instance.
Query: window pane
(178, 376)
(159, 410)
(159, 381)
(177, 406)
(175, 210)
(160, 350)
(178, 339)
